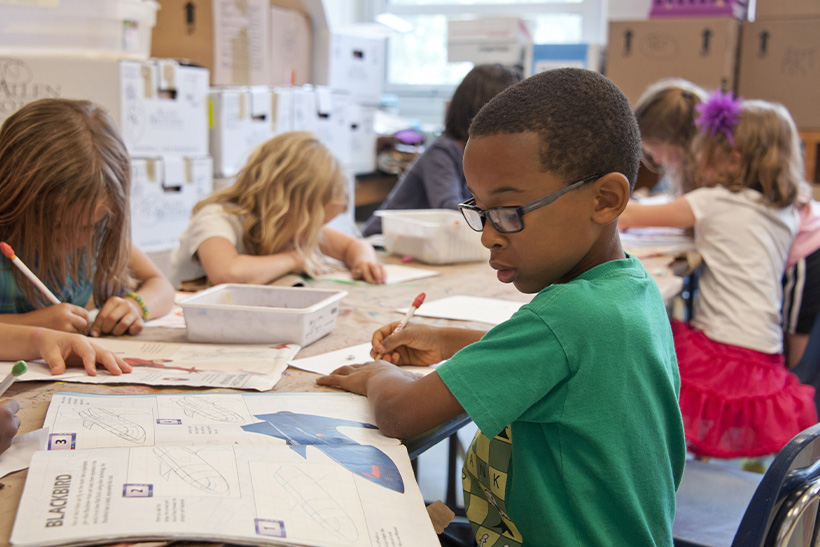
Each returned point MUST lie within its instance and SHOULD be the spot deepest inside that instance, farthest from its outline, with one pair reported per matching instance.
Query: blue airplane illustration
(302, 430)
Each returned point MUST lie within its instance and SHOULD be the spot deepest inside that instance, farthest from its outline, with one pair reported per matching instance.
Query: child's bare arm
(404, 404)
(675, 214)
(357, 254)
(223, 264)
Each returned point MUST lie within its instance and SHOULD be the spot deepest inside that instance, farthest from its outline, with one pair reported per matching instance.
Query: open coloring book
(256, 469)
(238, 366)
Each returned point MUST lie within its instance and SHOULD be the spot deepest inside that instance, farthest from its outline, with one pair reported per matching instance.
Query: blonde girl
(64, 184)
(666, 114)
(271, 222)
(737, 397)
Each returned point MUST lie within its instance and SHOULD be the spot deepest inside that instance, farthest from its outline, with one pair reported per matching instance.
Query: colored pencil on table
(9, 252)
(19, 368)
(416, 303)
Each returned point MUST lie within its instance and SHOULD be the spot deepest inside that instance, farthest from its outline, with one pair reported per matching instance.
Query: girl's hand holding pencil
(63, 317)
(59, 316)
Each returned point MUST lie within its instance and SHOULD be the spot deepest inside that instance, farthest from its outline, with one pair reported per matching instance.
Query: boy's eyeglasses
(510, 220)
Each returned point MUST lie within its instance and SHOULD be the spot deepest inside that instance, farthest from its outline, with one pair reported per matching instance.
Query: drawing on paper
(158, 363)
(191, 468)
(308, 494)
(200, 406)
(113, 423)
(302, 430)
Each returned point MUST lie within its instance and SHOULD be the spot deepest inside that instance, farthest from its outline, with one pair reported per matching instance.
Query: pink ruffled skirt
(737, 402)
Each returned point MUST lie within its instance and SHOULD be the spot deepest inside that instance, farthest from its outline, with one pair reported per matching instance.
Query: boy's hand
(64, 317)
(9, 423)
(413, 345)
(118, 316)
(354, 378)
(59, 349)
(370, 272)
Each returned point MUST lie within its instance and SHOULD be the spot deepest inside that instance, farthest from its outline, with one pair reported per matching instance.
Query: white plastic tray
(260, 314)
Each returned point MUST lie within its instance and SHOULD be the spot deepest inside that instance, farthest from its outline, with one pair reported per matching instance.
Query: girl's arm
(121, 314)
(223, 264)
(58, 349)
(357, 254)
(675, 214)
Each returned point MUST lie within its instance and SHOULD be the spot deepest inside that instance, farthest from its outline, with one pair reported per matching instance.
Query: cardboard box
(357, 65)
(703, 51)
(291, 47)
(786, 9)
(361, 121)
(780, 62)
(242, 43)
(504, 40)
(164, 190)
(242, 118)
(159, 107)
(101, 28)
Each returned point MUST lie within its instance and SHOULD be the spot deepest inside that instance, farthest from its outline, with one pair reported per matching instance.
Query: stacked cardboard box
(702, 50)
(780, 62)
(160, 109)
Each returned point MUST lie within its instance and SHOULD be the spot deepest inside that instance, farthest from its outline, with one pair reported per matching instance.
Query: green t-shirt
(578, 393)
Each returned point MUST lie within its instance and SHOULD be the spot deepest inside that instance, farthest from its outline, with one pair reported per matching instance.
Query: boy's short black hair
(583, 120)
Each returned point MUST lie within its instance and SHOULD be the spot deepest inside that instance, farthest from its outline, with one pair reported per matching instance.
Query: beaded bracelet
(140, 301)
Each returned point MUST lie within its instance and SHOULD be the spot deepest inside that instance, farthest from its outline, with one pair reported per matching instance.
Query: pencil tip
(7, 250)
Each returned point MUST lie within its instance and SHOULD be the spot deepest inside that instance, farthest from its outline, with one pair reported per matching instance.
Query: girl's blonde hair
(767, 150)
(281, 194)
(666, 115)
(59, 160)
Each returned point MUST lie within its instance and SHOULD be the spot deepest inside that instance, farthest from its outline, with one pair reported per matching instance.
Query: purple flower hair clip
(720, 112)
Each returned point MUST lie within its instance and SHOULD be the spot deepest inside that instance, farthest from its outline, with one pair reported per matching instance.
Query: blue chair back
(784, 508)
(808, 368)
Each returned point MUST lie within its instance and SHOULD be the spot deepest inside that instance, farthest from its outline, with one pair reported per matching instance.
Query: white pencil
(9, 252)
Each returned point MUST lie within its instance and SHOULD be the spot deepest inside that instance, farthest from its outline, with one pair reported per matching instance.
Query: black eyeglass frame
(519, 211)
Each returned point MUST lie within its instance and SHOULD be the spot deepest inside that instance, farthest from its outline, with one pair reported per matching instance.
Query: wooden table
(363, 310)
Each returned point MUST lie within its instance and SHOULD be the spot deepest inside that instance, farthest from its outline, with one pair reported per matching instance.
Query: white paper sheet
(647, 242)
(237, 366)
(469, 308)
(278, 468)
(173, 319)
(326, 363)
(396, 273)
(22, 448)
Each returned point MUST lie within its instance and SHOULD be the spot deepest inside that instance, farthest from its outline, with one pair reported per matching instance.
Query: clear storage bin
(260, 314)
(435, 236)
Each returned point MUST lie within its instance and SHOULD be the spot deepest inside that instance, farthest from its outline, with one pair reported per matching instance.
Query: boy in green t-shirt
(581, 440)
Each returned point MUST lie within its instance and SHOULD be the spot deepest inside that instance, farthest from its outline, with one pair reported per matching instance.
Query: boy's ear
(611, 194)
